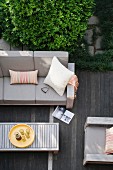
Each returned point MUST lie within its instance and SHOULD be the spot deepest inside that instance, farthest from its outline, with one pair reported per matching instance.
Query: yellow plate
(21, 144)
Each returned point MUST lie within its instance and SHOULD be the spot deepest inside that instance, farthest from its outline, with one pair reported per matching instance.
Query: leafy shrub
(99, 62)
(47, 24)
(104, 11)
(1, 19)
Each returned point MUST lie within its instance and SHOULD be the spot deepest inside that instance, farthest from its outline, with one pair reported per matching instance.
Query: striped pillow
(26, 77)
(109, 141)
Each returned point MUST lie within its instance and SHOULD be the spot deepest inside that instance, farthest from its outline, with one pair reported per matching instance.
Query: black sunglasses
(45, 89)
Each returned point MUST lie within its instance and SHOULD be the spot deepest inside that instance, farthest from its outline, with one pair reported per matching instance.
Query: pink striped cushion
(26, 77)
(109, 141)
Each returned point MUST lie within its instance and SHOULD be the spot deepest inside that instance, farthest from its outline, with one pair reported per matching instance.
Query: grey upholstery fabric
(16, 60)
(1, 75)
(30, 94)
(70, 88)
(18, 94)
(94, 140)
(1, 90)
(43, 60)
(51, 97)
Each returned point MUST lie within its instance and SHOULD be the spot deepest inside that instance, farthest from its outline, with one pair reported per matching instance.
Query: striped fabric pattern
(109, 141)
(26, 77)
(74, 82)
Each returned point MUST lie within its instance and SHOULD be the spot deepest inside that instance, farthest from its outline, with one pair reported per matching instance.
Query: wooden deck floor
(24, 160)
(94, 98)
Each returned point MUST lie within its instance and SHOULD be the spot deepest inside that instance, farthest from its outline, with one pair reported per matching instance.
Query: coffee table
(46, 137)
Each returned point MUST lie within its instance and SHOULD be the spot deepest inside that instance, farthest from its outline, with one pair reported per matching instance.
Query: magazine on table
(62, 114)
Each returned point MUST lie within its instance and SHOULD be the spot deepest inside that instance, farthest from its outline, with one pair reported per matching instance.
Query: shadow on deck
(94, 98)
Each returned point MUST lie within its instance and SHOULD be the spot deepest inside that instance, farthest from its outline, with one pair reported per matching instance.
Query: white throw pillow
(58, 76)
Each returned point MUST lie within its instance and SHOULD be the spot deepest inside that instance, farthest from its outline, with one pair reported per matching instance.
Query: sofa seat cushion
(95, 140)
(50, 97)
(18, 93)
(1, 90)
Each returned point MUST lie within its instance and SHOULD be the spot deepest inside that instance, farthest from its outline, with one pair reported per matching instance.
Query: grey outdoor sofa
(32, 94)
(94, 144)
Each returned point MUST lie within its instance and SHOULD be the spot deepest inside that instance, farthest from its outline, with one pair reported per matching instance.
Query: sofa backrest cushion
(43, 59)
(16, 60)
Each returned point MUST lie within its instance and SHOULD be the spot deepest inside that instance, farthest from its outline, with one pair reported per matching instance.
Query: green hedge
(1, 19)
(104, 11)
(46, 24)
(100, 62)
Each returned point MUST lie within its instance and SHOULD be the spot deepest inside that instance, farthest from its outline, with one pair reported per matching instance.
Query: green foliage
(1, 19)
(99, 62)
(47, 24)
(104, 11)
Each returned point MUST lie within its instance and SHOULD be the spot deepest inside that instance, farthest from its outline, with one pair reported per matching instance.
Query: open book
(62, 114)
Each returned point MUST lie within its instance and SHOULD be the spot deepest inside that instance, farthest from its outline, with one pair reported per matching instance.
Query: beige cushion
(26, 77)
(109, 141)
(58, 76)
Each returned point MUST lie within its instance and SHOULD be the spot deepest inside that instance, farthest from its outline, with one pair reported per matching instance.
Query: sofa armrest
(70, 88)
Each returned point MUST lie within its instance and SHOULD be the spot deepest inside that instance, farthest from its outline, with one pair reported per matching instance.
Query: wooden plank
(102, 96)
(97, 94)
(106, 93)
(41, 113)
(50, 161)
(110, 89)
(50, 154)
(93, 94)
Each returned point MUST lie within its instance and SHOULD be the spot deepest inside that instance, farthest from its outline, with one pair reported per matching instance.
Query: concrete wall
(93, 36)
(6, 46)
